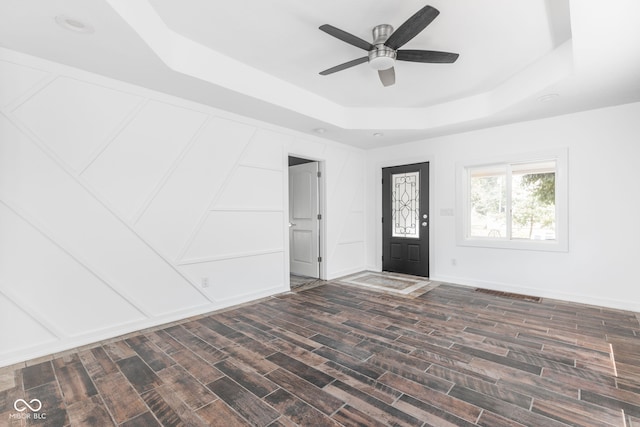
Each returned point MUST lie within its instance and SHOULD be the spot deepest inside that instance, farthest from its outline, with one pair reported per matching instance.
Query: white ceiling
(282, 38)
(261, 59)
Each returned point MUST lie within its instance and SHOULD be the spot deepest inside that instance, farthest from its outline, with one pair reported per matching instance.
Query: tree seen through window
(513, 201)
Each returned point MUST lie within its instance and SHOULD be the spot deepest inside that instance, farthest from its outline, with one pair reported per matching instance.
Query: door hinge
(383, 220)
(319, 174)
(319, 216)
(319, 259)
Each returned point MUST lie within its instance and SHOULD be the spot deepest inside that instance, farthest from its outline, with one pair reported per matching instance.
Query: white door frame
(322, 192)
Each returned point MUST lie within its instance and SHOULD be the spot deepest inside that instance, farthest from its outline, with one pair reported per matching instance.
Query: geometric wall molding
(16, 81)
(251, 188)
(105, 188)
(19, 328)
(231, 232)
(128, 169)
(196, 180)
(75, 119)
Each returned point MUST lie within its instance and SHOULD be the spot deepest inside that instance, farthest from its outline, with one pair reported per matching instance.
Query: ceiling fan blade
(346, 37)
(426, 56)
(387, 77)
(344, 66)
(412, 27)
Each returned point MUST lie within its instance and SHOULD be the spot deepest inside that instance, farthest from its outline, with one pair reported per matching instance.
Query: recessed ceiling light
(74, 24)
(378, 134)
(548, 97)
(319, 130)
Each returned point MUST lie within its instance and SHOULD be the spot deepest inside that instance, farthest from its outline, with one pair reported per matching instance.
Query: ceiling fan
(384, 50)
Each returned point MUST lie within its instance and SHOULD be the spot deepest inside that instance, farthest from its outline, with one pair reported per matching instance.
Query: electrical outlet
(204, 282)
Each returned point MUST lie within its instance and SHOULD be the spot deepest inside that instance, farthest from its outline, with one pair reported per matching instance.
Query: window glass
(488, 202)
(518, 204)
(405, 204)
(533, 201)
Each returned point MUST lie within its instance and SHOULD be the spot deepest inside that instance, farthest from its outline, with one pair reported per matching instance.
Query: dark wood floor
(339, 355)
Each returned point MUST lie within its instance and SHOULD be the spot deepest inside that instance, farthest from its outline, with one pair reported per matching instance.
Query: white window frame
(561, 242)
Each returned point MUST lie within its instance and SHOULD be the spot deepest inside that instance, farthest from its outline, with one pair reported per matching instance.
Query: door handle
(291, 224)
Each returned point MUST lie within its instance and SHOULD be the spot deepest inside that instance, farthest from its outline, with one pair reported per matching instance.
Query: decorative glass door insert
(405, 200)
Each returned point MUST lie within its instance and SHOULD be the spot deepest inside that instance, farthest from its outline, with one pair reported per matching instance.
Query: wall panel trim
(31, 92)
(59, 243)
(17, 302)
(114, 134)
(203, 218)
(160, 185)
(94, 194)
(214, 258)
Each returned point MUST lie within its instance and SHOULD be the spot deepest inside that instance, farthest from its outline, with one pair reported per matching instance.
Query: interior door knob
(291, 224)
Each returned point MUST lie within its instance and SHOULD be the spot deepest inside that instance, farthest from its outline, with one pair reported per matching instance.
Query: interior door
(405, 219)
(303, 220)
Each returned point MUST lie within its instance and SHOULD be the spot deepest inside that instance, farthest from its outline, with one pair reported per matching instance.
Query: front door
(303, 220)
(405, 219)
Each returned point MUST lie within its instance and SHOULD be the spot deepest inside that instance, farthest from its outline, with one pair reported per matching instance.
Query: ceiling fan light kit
(384, 51)
(381, 57)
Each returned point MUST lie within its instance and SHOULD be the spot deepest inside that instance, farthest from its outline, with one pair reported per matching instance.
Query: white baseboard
(63, 345)
(544, 293)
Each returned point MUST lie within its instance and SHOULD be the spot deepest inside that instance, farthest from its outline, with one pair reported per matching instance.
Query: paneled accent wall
(123, 208)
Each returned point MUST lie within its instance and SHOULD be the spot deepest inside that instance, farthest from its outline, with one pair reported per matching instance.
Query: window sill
(526, 245)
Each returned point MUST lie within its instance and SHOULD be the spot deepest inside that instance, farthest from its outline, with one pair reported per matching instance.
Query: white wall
(604, 208)
(115, 202)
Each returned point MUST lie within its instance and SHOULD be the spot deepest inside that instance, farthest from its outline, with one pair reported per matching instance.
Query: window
(405, 204)
(518, 204)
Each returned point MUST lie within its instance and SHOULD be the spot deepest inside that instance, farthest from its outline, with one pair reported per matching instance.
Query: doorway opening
(305, 221)
(405, 219)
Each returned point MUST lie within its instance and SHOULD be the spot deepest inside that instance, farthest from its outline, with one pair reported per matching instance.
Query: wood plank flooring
(340, 355)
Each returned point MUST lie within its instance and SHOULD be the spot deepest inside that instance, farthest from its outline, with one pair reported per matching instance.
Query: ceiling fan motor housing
(381, 57)
(386, 47)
